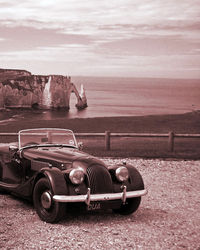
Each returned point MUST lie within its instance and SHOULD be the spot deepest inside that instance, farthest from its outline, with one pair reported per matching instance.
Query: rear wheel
(47, 209)
(129, 207)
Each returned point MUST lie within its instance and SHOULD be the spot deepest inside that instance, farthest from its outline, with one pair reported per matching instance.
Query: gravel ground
(168, 217)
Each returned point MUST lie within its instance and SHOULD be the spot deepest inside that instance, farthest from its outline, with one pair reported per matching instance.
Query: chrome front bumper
(87, 198)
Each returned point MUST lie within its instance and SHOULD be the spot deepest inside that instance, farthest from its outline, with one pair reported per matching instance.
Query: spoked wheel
(47, 209)
(129, 207)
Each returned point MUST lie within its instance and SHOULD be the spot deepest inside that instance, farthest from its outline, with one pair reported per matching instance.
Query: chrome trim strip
(8, 185)
(100, 197)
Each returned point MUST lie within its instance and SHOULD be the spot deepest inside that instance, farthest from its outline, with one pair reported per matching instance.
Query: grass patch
(188, 123)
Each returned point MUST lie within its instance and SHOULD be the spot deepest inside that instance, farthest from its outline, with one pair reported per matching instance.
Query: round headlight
(122, 174)
(77, 176)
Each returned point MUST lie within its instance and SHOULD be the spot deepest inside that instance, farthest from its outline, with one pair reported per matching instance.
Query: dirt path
(168, 218)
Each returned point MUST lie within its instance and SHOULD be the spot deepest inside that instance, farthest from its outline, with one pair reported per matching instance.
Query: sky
(125, 38)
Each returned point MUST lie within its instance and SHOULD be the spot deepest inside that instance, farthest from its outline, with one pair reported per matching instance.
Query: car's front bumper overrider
(87, 198)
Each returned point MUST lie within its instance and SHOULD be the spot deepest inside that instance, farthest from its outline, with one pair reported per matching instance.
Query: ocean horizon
(122, 96)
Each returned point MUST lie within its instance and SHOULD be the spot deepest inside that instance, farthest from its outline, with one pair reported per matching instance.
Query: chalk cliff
(21, 89)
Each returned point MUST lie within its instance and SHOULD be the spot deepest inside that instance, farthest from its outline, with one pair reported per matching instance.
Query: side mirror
(80, 146)
(13, 148)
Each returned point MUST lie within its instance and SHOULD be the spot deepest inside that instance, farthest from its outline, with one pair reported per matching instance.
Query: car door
(11, 171)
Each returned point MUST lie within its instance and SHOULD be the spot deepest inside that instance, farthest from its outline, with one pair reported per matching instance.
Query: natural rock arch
(21, 89)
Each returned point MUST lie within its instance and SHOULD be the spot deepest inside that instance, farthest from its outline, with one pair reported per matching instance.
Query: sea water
(138, 96)
(110, 96)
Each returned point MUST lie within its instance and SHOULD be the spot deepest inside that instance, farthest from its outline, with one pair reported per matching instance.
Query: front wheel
(129, 207)
(47, 209)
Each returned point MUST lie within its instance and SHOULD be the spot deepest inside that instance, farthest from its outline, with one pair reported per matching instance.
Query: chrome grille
(99, 179)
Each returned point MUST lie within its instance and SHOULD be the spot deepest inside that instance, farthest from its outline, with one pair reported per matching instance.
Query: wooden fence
(108, 135)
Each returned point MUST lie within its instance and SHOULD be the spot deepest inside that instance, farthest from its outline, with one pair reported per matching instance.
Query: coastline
(179, 123)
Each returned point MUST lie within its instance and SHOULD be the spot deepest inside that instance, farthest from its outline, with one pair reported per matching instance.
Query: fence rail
(108, 135)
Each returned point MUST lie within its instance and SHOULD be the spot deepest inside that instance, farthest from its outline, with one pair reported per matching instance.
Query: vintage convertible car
(48, 167)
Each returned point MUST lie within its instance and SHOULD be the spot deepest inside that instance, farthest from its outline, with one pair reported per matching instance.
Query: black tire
(55, 211)
(129, 207)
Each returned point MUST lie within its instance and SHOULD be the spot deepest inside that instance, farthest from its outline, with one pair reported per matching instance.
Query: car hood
(58, 154)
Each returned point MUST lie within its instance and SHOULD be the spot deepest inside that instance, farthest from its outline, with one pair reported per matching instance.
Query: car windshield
(31, 137)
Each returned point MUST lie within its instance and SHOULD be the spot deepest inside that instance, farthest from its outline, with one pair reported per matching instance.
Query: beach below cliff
(187, 123)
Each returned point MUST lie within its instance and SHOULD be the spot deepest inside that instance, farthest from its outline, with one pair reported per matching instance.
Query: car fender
(56, 179)
(136, 180)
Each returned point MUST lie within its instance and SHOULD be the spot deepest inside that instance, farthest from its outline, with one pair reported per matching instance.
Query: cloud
(80, 60)
(24, 38)
(96, 18)
(150, 46)
(99, 34)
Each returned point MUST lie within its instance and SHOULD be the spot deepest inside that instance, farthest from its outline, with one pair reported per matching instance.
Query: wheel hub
(46, 200)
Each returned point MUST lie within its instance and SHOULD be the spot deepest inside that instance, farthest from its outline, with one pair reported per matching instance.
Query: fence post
(171, 141)
(107, 140)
